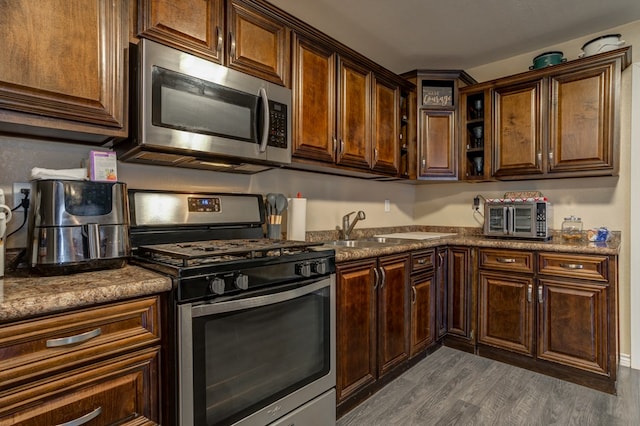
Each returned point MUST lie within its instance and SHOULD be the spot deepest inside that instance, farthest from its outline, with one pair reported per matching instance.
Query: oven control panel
(230, 280)
(205, 204)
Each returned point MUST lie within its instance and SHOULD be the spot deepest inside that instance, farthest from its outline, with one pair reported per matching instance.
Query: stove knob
(242, 281)
(216, 285)
(319, 267)
(303, 269)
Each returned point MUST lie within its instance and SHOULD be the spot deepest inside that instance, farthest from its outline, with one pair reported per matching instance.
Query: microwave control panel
(277, 124)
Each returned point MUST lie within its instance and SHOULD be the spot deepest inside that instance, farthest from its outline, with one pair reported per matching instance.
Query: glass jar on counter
(572, 228)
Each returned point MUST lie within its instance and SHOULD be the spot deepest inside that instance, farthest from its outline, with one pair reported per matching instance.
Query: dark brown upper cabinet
(63, 74)
(555, 122)
(253, 41)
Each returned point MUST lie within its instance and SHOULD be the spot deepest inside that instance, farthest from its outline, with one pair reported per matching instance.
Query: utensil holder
(273, 231)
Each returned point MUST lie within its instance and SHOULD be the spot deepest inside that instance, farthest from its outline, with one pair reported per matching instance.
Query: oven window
(524, 220)
(245, 360)
(496, 219)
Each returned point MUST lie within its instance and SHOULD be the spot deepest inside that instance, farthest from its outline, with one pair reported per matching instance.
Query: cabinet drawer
(34, 348)
(581, 266)
(117, 391)
(422, 260)
(506, 260)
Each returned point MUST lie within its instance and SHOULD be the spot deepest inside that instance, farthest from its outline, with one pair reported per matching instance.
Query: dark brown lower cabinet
(506, 311)
(460, 299)
(441, 292)
(372, 321)
(423, 300)
(559, 318)
(98, 365)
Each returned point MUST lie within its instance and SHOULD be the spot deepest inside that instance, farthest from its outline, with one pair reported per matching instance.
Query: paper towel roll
(297, 219)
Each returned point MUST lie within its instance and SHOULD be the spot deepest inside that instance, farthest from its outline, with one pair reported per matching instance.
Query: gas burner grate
(220, 251)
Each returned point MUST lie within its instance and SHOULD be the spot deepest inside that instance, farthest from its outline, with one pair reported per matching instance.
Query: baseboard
(625, 360)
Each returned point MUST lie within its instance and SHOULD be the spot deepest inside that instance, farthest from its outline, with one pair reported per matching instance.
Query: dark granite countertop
(471, 237)
(27, 296)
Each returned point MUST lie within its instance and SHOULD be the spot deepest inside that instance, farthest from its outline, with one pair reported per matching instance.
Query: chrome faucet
(346, 227)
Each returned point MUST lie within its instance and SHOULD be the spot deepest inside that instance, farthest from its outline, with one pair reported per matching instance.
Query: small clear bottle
(572, 228)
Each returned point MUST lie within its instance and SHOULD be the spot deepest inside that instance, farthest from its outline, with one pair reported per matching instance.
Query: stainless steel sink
(365, 242)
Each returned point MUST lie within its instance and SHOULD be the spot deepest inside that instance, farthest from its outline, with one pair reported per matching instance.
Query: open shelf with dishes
(475, 139)
(406, 101)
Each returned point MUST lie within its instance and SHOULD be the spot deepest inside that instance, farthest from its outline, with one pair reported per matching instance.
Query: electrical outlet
(387, 206)
(17, 192)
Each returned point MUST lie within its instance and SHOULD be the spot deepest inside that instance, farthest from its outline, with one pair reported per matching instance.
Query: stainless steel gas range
(251, 324)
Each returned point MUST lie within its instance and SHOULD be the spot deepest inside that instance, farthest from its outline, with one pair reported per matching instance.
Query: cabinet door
(437, 145)
(117, 391)
(423, 312)
(64, 68)
(441, 293)
(258, 44)
(194, 26)
(356, 327)
(505, 311)
(393, 312)
(581, 121)
(354, 115)
(572, 324)
(314, 100)
(386, 127)
(459, 292)
(517, 136)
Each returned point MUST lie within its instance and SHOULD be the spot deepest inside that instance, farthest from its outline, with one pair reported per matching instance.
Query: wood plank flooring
(451, 387)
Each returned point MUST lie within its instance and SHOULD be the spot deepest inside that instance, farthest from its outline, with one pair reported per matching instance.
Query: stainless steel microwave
(518, 218)
(190, 112)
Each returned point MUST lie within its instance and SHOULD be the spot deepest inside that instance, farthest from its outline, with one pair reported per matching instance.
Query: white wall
(634, 235)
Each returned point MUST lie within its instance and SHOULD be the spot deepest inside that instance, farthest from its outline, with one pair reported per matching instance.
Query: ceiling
(402, 35)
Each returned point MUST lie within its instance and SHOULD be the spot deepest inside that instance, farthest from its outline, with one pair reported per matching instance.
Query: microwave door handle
(505, 220)
(265, 119)
(512, 220)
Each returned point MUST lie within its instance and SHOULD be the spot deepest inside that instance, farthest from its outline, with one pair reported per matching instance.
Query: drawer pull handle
(505, 260)
(572, 266)
(84, 419)
(422, 261)
(78, 338)
(529, 292)
(414, 295)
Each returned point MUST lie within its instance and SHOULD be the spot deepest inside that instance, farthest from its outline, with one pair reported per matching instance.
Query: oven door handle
(254, 302)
